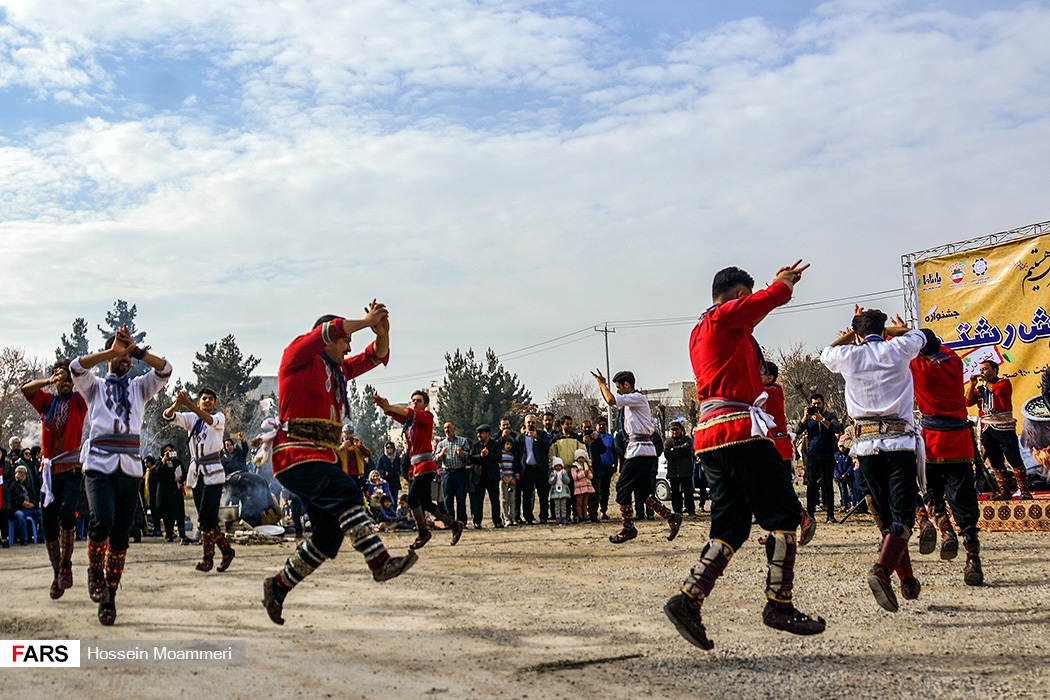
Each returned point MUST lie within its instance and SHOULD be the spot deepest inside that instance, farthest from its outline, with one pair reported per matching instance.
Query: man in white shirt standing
(110, 455)
(640, 459)
(205, 425)
(880, 397)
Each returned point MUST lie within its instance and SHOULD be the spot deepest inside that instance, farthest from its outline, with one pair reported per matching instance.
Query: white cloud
(350, 171)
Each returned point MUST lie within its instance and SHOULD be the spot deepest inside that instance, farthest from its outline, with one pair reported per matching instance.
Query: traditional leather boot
(55, 556)
(949, 540)
(627, 530)
(66, 538)
(893, 548)
(208, 544)
(228, 552)
(973, 575)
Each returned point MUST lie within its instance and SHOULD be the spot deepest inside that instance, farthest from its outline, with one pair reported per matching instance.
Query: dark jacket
(596, 452)
(541, 448)
(821, 441)
(236, 461)
(390, 469)
(679, 453)
(488, 465)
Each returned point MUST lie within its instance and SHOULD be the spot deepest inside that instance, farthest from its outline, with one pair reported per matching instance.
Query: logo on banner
(980, 267)
(931, 280)
(956, 273)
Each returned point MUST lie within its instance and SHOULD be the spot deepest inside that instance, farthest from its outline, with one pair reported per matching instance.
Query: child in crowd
(581, 483)
(560, 493)
(846, 477)
(383, 511)
(376, 485)
(508, 480)
(403, 518)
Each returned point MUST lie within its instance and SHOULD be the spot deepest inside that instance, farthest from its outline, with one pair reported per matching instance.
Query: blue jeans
(455, 484)
(20, 523)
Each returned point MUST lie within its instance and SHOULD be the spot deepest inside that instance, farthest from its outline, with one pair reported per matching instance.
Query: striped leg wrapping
(96, 558)
(658, 507)
(780, 576)
(114, 568)
(357, 526)
(54, 555)
(944, 524)
(300, 564)
(713, 561)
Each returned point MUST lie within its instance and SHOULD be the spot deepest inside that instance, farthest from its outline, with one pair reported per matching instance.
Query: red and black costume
(419, 436)
(62, 418)
(312, 406)
(950, 449)
(999, 436)
(744, 469)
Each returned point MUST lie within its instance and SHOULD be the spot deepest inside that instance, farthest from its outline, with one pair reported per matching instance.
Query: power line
(553, 343)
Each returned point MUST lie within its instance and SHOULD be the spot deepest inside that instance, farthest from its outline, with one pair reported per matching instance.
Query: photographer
(170, 474)
(822, 429)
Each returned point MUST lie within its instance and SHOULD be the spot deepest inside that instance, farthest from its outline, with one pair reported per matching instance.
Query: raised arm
(603, 386)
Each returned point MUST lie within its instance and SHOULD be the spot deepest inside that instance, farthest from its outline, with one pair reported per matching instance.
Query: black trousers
(748, 479)
(419, 494)
(112, 498)
(167, 508)
(891, 479)
(62, 511)
(1000, 444)
(534, 486)
(682, 494)
(636, 477)
(955, 482)
(820, 474)
(477, 500)
(602, 488)
(327, 492)
(206, 498)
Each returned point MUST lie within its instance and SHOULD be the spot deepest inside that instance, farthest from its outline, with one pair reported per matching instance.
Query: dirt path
(544, 612)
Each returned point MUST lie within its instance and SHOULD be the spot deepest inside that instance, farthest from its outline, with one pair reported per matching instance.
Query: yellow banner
(989, 303)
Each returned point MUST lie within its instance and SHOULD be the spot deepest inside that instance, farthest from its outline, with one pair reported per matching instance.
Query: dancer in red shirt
(744, 469)
(62, 415)
(307, 460)
(419, 435)
(948, 438)
(993, 395)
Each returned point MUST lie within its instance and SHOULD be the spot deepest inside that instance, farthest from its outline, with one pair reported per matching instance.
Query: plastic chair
(31, 534)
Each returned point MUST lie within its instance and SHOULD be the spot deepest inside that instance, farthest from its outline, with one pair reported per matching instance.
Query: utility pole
(608, 372)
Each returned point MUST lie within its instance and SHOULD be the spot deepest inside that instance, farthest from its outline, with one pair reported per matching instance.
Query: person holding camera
(822, 429)
(170, 474)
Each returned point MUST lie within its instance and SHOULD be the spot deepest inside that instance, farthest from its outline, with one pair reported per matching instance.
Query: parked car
(663, 484)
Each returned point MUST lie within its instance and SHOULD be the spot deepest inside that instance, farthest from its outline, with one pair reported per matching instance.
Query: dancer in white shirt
(205, 426)
(880, 398)
(110, 455)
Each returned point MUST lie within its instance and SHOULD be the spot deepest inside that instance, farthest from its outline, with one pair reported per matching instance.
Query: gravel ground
(544, 612)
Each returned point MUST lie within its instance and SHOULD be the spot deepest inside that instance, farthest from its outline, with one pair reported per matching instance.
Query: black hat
(484, 428)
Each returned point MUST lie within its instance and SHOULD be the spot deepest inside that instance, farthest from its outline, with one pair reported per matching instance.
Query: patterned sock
(713, 561)
(658, 507)
(300, 564)
(66, 538)
(780, 576)
(627, 517)
(54, 555)
(944, 524)
(208, 544)
(1021, 477)
(219, 538)
(357, 526)
(96, 559)
(1002, 479)
(114, 568)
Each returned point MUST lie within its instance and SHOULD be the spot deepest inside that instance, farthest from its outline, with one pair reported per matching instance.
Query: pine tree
(474, 392)
(223, 368)
(121, 316)
(371, 426)
(75, 344)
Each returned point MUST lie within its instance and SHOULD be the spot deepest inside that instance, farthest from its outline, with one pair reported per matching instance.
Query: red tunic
(65, 439)
(775, 407)
(724, 355)
(307, 388)
(419, 434)
(939, 391)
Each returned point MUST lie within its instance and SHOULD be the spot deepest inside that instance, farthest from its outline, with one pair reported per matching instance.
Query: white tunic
(205, 444)
(637, 422)
(105, 419)
(879, 384)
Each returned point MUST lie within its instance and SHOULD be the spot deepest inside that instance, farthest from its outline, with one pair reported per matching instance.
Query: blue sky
(500, 173)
